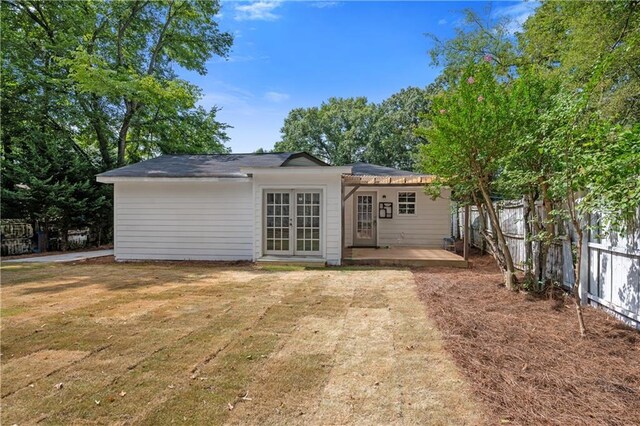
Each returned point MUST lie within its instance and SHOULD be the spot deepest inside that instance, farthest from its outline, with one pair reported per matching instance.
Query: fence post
(583, 285)
(466, 233)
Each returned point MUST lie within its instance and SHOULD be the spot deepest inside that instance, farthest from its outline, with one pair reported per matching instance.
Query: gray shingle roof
(366, 169)
(228, 166)
(212, 165)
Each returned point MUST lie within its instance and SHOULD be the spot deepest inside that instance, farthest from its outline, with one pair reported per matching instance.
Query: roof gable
(303, 159)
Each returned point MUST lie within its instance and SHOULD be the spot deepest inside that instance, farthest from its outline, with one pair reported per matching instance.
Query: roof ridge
(233, 153)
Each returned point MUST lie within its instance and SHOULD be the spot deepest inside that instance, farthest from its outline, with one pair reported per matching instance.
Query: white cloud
(517, 14)
(225, 95)
(257, 11)
(442, 22)
(276, 96)
(323, 4)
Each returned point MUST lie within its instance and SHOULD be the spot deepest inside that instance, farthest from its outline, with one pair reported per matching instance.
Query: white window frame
(407, 203)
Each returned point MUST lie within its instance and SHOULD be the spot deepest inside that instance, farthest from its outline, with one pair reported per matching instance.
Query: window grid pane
(406, 202)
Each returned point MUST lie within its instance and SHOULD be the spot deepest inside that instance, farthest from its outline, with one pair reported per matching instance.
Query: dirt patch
(523, 354)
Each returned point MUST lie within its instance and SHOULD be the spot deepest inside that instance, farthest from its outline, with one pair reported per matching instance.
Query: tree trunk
(510, 273)
(98, 127)
(549, 232)
(124, 130)
(528, 242)
(576, 285)
(536, 250)
(489, 239)
(45, 242)
(64, 237)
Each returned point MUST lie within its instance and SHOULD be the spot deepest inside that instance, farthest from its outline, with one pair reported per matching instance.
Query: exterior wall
(183, 220)
(329, 183)
(427, 228)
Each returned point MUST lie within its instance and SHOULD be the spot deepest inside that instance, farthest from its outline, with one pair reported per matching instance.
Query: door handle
(290, 222)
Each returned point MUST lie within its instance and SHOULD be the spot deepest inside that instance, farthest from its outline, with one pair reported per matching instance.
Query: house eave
(115, 179)
(331, 170)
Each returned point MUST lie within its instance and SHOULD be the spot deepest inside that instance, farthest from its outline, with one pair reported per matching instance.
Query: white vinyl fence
(612, 280)
(611, 264)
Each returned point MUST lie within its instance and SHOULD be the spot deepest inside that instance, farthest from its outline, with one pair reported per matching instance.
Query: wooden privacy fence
(610, 276)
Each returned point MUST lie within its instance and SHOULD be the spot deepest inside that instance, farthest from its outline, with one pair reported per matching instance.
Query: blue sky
(289, 54)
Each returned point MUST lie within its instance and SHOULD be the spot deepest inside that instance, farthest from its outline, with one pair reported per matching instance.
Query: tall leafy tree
(343, 131)
(109, 67)
(338, 131)
(48, 181)
(526, 168)
(468, 133)
(571, 91)
(393, 141)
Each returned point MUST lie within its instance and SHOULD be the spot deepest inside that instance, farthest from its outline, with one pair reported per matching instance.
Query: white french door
(292, 222)
(364, 219)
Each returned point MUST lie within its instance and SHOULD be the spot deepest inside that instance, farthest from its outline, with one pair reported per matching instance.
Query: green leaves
(107, 66)
(468, 130)
(590, 46)
(612, 170)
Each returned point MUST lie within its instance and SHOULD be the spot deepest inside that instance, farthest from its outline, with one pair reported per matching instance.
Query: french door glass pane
(308, 222)
(364, 220)
(277, 221)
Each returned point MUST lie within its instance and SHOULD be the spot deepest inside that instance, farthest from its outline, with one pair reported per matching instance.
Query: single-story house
(269, 207)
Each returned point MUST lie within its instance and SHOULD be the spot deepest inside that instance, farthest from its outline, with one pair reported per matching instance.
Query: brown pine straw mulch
(523, 355)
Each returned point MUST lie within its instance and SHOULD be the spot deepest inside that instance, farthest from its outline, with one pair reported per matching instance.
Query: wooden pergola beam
(351, 180)
(350, 193)
(386, 184)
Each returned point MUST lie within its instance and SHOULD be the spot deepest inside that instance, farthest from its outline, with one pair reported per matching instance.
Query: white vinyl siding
(183, 220)
(426, 228)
